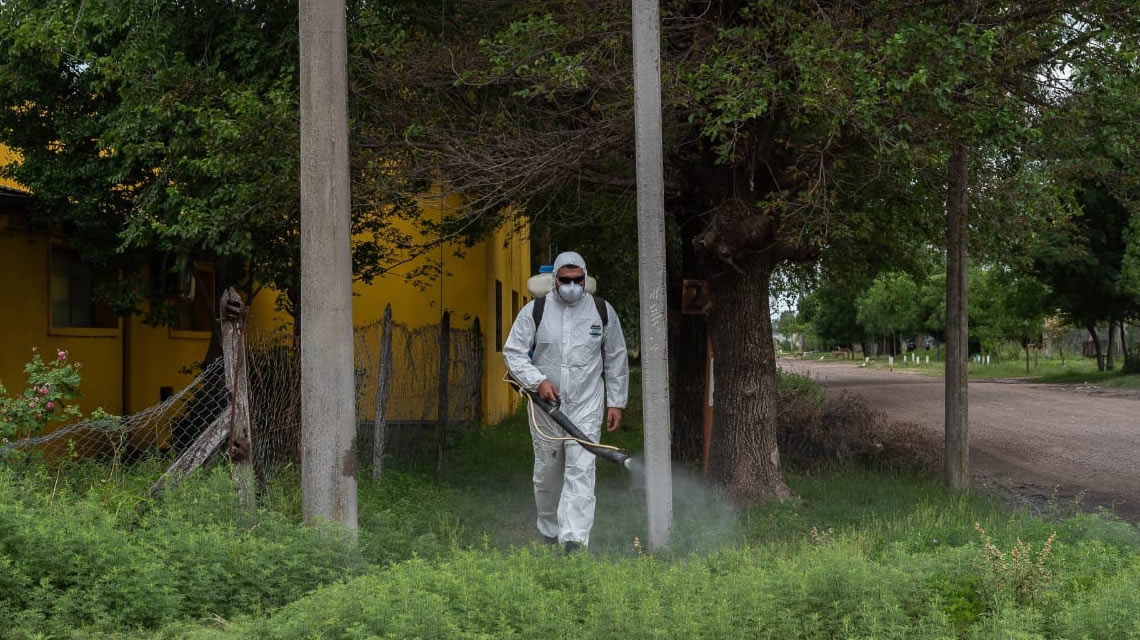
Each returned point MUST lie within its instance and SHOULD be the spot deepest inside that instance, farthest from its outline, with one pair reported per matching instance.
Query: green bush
(49, 391)
(829, 593)
(69, 561)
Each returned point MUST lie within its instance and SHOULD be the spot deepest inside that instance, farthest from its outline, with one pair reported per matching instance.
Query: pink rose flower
(62, 355)
(50, 405)
(44, 390)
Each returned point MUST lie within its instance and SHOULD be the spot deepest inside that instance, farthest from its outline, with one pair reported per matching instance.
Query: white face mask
(570, 293)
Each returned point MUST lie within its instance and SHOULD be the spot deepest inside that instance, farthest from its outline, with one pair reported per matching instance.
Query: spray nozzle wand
(613, 454)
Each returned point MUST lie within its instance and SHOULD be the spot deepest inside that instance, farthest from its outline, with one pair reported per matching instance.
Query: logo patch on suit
(596, 330)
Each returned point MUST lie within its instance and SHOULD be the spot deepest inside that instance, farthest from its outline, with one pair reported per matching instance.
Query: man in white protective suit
(577, 342)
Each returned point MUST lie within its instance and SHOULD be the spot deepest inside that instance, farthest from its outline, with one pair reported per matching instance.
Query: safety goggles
(568, 279)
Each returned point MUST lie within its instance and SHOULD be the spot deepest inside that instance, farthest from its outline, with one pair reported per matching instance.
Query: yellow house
(47, 302)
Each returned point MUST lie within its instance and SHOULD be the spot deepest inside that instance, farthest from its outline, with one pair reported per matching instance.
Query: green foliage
(1004, 305)
(157, 135)
(76, 555)
(831, 312)
(51, 387)
(890, 305)
(1084, 261)
(860, 554)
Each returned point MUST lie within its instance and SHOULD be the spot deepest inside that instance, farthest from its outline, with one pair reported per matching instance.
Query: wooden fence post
(237, 381)
(478, 339)
(444, 368)
(233, 421)
(383, 385)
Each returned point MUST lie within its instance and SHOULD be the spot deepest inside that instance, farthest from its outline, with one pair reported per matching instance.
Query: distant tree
(831, 313)
(1007, 306)
(889, 306)
(1083, 263)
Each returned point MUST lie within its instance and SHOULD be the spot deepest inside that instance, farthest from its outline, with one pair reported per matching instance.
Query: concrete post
(651, 269)
(328, 412)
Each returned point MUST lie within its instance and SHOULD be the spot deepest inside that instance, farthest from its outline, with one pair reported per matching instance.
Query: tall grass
(858, 554)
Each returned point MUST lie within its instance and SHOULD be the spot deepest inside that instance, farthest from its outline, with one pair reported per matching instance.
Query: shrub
(51, 387)
(68, 561)
(815, 431)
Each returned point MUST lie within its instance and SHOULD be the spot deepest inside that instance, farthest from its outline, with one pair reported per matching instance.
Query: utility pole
(651, 269)
(328, 413)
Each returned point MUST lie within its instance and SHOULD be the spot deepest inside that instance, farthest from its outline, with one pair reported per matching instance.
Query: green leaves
(890, 305)
(50, 388)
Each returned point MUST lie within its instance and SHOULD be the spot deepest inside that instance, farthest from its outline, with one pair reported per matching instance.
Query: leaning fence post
(444, 367)
(383, 384)
(237, 381)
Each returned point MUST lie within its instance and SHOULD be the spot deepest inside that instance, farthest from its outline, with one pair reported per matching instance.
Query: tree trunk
(688, 336)
(1110, 358)
(957, 456)
(1096, 345)
(744, 455)
(1128, 367)
(689, 399)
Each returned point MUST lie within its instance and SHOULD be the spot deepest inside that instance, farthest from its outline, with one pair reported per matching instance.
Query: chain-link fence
(181, 422)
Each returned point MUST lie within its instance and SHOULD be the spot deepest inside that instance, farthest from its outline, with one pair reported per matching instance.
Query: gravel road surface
(1028, 442)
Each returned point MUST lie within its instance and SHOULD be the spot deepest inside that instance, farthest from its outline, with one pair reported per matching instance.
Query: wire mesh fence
(272, 364)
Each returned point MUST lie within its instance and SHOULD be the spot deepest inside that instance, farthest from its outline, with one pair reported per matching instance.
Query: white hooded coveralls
(568, 352)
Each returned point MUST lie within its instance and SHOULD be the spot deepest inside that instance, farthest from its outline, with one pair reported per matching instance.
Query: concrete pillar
(328, 407)
(651, 269)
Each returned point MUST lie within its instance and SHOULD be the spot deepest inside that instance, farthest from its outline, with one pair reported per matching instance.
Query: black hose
(613, 455)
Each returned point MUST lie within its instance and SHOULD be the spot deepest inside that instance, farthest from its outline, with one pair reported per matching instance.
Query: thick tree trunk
(688, 337)
(744, 456)
(957, 332)
(1096, 345)
(689, 383)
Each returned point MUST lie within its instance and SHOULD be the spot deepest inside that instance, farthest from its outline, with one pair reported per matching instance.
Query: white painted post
(651, 269)
(927, 360)
(328, 407)
(891, 362)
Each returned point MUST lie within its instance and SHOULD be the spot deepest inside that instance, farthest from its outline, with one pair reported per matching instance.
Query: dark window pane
(72, 294)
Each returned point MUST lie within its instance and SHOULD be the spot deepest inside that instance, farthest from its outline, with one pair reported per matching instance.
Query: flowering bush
(51, 388)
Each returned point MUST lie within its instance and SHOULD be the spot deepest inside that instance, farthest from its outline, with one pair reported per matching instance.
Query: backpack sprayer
(538, 286)
(611, 453)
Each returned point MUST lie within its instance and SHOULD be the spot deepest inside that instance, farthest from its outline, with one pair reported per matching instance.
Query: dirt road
(1025, 439)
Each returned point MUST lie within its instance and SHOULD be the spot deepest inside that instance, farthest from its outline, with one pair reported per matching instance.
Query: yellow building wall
(24, 316)
(466, 288)
(155, 357)
(7, 156)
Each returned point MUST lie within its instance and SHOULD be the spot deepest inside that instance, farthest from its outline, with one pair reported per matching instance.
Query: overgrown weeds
(863, 553)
